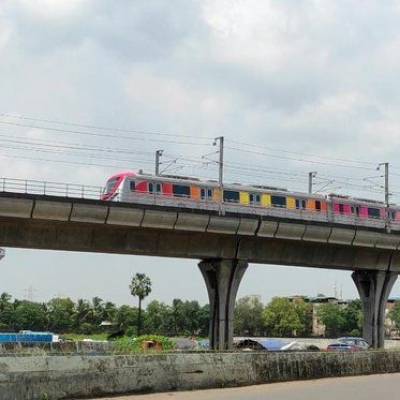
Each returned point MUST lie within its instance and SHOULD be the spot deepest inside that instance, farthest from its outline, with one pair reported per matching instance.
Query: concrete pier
(222, 279)
(374, 288)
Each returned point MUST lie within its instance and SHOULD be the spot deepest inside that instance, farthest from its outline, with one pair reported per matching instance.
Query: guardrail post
(83, 192)
(66, 190)
(44, 187)
(4, 184)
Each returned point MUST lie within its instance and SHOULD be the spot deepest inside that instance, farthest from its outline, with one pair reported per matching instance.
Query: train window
(318, 205)
(151, 188)
(374, 212)
(158, 187)
(181, 190)
(132, 186)
(254, 198)
(110, 185)
(206, 194)
(278, 201)
(300, 204)
(393, 215)
(231, 196)
(341, 208)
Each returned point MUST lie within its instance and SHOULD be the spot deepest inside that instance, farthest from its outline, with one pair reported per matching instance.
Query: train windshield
(110, 185)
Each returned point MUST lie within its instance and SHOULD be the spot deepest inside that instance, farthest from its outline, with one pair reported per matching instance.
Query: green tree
(332, 317)
(249, 317)
(29, 316)
(353, 317)
(305, 313)
(159, 319)
(281, 319)
(126, 317)
(83, 315)
(6, 311)
(394, 315)
(140, 287)
(61, 314)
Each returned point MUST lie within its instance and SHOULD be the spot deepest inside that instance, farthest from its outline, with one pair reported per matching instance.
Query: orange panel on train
(195, 192)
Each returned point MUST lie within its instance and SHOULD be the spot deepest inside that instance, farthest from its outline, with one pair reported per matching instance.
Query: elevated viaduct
(224, 244)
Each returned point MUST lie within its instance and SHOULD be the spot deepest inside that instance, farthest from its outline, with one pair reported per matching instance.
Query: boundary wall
(67, 377)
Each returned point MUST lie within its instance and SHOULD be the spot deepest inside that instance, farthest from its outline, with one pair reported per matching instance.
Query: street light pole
(158, 155)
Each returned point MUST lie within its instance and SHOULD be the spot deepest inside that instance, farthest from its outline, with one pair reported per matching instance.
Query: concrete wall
(63, 377)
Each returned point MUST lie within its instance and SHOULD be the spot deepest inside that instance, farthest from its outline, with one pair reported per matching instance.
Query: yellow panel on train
(291, 202)
(266, 200)
(216, 195)
(244, 198)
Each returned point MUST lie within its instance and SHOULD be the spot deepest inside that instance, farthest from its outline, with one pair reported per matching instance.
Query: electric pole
(387, 194)
(220, 139)
(158, 155)
(311, 176)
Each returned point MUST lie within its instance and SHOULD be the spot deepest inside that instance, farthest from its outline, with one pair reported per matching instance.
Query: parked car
(349, 344)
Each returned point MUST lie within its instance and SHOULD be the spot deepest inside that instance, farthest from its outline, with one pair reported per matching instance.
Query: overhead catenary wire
(102, 128)
(235, 166)
(104, 135)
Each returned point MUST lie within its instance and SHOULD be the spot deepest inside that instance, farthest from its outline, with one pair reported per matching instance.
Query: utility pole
(158, 155)
(220, 139)
(311, 176)
(387, 194)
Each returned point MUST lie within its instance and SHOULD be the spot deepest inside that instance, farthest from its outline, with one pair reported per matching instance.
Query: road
(371, 387)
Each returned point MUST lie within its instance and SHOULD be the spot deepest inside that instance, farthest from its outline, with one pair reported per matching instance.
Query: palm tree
(140, 287)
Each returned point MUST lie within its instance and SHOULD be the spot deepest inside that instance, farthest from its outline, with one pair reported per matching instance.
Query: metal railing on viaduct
(56, 216)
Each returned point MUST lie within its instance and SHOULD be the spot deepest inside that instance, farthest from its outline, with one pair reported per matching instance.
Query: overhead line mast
(158, 155)
(220, 140)
(387, 193)
(311, 176)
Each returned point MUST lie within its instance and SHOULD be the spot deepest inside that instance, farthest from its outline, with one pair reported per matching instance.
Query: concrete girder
(247, 226)
(15, 207)
(159, 219)
(52, 210)
(226, 225)
(291, 231)
(222, 278)
(125, 216)
(192, 222)
(92, 213)
(342, 236)
(374, 288)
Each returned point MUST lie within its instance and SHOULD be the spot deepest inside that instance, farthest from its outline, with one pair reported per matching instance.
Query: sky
(92, 87)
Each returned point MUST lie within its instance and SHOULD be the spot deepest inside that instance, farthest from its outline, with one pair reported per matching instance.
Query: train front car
(114, 186)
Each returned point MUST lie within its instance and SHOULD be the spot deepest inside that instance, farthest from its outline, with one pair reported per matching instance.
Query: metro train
(188, 192)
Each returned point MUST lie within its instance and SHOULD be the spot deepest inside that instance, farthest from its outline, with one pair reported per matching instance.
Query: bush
(355, 333)
(131, 331)
(135, 345)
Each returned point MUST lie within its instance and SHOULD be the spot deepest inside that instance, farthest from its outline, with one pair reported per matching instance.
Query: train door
(206, 194)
